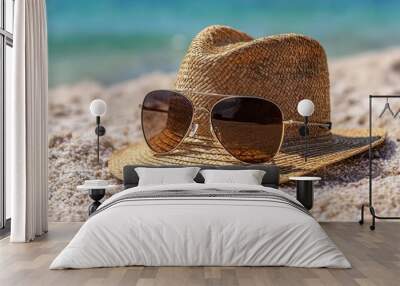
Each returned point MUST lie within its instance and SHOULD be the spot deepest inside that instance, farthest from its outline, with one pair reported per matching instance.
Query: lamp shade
(305, 107)
(98, 107)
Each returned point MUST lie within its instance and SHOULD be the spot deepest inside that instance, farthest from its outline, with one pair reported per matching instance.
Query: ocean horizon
(115, 40)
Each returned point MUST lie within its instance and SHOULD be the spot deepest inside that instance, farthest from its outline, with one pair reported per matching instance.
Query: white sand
(337, 197)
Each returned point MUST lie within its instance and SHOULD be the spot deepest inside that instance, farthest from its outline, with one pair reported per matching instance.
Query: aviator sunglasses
(249, 128)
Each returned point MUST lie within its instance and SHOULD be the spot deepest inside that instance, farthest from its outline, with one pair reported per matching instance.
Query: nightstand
(304, 190)
(96, 193)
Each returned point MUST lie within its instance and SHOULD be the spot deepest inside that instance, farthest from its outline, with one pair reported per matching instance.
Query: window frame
(6, 39)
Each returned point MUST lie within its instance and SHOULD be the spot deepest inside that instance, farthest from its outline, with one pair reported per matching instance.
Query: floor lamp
(98, 108)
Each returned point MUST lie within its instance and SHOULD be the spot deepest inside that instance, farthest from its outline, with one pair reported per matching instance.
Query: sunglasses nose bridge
(200, 110)
(200, 114)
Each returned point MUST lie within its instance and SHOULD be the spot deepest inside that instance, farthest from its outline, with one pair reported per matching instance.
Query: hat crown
(283, 69)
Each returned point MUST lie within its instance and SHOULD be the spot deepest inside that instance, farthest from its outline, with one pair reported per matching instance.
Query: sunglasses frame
(224, 97)
(187, 131)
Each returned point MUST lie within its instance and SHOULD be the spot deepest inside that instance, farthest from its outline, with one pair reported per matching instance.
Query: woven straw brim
(324, 151)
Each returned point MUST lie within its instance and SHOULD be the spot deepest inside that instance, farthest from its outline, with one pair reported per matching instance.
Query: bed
(199, 224)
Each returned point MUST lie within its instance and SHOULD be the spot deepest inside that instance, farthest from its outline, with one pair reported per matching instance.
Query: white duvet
(200, 231)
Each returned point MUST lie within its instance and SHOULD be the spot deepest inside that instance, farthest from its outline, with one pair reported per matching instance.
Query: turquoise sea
(115, 40)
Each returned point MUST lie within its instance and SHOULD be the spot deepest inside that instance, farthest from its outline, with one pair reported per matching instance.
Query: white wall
(9, 25)
(8, 83)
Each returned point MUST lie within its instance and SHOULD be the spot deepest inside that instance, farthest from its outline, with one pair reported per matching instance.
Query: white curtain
(26, 119)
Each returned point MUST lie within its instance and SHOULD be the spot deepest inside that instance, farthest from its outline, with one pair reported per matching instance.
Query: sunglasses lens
(249, 128)
(166, 118)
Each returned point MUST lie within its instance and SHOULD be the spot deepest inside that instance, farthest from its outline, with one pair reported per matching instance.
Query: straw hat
(283, 69)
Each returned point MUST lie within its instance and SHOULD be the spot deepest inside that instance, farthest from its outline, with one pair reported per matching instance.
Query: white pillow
(166, 176)
(248, 177)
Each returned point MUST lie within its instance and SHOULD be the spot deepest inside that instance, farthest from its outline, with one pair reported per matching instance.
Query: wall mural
(120, 51)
